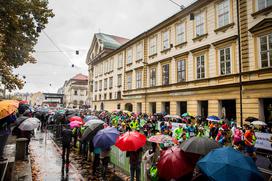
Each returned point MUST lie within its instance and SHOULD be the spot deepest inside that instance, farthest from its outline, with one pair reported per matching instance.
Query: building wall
(214, 87)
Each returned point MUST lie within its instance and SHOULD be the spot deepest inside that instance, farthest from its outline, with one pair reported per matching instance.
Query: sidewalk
(47, 159)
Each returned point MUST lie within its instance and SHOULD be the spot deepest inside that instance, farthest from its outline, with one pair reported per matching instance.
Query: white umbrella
(173, 116)
(259, 123)
(29, 124)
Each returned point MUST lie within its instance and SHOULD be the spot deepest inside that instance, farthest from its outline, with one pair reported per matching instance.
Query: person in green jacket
(178, 131)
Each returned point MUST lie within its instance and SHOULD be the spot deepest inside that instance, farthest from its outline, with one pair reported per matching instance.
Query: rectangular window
(110, 96)
(95, 98)
(266, 50)
(105, 83)
(100, 85)
(138, 79)
(165, 40)
(152, 77)
(199, 23)
(180, 34)
(261, 4)
(75, 93)
(110, 82)
(119, 80)
(223, 10)
(181, 69)
(225, 61)
(95, 86)
(106, 67)
(153, 45)
(129, 82)
(200, 67)
(129, 56)
(165, 74)
(120, 60)
(105, 96)
(139, 50)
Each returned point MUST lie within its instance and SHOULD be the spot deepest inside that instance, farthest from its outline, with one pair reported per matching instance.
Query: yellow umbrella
(7, 107)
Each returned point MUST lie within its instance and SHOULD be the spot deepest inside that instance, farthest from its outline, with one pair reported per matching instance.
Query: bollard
(21, 148)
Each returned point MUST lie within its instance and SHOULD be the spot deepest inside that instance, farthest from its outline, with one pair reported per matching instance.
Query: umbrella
(172, 116)
(199, 145)
(105, 138)
(29, 124)
(187, 114)
(174, 164)
(228, 164)
(160, 138)
(90, 117)
(142, 122)
(130, 141)
(7, 107)
(251, 119)
(75, 118)
(20, 119)
(258, 123)
(213, 118)
(23, 102)
(92, 128)
(75, 124)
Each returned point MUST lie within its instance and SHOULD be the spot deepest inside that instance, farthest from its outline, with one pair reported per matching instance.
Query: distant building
(52, 100)
(37, 99)
(75, 91)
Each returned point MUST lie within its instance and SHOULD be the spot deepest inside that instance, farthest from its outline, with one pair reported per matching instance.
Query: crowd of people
(223, 132)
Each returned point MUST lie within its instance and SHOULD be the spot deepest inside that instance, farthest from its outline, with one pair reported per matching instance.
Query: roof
(111, 41)
(80, 77)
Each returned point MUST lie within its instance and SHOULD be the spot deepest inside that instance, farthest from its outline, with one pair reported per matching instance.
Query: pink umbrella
(75, 124)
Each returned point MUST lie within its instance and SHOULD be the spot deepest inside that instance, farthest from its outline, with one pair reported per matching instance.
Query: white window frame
(100, 85)
(225, 61)
(129, 82)
(199, 67)
(129, 56)
(223, 14)
(180, 33)
(139, 51)
(120, 60)
(105, 83)
(139, 79)
(119, 80)
(153, 79)
(181, 70)
(265, 4)
(200, 24)
(153, 45)
(268, 50)
(166, 40)
(110, 82)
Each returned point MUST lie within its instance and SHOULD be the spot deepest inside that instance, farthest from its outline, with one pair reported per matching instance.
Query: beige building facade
(75, 91)
(190, 63)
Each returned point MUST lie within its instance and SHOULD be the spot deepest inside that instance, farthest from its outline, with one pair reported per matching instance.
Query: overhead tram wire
(60, 50)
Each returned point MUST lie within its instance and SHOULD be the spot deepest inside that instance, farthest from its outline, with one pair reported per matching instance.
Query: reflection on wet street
(48, 158)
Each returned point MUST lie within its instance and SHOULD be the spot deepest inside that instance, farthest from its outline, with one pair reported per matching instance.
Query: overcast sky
(73, 27)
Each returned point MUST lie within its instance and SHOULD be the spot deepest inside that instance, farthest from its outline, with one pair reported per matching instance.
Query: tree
(21, 21)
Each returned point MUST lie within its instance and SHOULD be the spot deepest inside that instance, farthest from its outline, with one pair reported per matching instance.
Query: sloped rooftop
(111, 41)
(80, 77)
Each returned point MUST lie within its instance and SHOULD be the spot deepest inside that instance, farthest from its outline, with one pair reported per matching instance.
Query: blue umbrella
(226, 164)
(105, 138)
(89, 117)
(213, 118)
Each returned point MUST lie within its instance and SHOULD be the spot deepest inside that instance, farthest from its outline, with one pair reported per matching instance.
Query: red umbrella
(174, 164)
(23, 102)
(130, 141)
(76, 118)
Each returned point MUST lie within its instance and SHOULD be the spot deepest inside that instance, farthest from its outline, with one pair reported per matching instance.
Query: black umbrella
(199, 145)
(251, 119)
(89, 133)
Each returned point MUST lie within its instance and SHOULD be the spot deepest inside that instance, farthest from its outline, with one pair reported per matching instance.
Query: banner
(263, 141)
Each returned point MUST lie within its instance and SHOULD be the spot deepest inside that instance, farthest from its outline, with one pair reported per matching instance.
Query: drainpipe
(240, 63)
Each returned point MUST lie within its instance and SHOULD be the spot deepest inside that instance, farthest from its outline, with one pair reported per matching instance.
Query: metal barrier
(5, 170)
